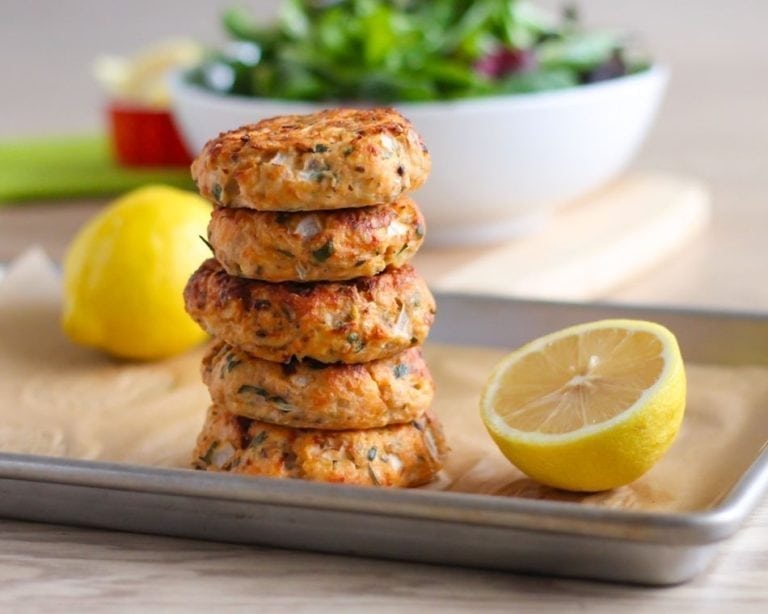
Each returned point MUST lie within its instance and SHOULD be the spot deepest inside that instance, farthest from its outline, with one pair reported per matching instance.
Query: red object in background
(146, 137)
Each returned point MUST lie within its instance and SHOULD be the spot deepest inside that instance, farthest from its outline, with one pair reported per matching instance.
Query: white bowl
(500, 165)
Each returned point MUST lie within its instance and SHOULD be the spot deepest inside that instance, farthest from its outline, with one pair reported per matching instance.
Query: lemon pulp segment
(579, 380)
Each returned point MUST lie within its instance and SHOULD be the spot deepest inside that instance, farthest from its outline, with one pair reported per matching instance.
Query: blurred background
(715, 106)
(712, 125)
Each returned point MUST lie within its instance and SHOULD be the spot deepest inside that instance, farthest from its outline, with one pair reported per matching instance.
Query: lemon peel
(588, 408)
(125, 272)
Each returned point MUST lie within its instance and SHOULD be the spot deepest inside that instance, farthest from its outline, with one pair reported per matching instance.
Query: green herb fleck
(317, 170)
(354, 340)
(372, 453)
(204, 240)
(321, 148)
(400, 370)
(216, 192)
(258, 439)
(282, 404)
(247, 388)
(322, 254)
(348, 151)
(207, 458)
(373, 476)
(232, 362)
(420, 231)
(402, 249)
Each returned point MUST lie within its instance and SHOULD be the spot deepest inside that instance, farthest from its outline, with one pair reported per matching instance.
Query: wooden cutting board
(589, 248)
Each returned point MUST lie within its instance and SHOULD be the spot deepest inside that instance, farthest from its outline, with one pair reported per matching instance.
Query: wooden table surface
(713, 126)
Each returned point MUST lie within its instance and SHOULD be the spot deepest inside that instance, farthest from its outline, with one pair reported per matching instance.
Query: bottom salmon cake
(402, 455)
(309, 394)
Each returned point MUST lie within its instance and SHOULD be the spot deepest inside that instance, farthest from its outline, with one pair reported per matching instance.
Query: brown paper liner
(63, 400)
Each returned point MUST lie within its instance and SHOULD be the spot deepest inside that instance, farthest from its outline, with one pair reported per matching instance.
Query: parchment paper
(59, 399)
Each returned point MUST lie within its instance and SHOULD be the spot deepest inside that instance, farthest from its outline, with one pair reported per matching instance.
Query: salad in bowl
(523, 110)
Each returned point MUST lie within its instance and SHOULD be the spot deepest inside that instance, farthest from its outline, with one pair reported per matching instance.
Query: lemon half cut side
(589, 408)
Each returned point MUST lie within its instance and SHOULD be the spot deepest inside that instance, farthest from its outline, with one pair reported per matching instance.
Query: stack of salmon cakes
(316, 371)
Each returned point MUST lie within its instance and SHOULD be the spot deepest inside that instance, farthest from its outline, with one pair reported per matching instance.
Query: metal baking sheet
(534, 536)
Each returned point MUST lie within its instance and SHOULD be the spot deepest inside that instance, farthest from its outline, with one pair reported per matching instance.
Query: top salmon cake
(333, 159)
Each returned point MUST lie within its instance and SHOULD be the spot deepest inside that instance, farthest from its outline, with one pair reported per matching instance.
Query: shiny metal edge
(694, 528)
(705, 336)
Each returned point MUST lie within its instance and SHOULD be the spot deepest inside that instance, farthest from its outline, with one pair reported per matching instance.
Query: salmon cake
(402, 455)
(333, 159)
(318, 245)
(310, 394)
(353, 321)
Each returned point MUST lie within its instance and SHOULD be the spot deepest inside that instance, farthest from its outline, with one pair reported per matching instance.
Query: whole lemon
(125, 272)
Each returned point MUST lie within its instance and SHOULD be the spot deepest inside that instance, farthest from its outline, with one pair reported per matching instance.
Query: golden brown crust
(316, 246)
(402, 455)
(333, 159)
(308, 394)
(350, 321)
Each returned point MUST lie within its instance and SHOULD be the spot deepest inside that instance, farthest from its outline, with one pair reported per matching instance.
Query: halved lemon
(588, 408)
